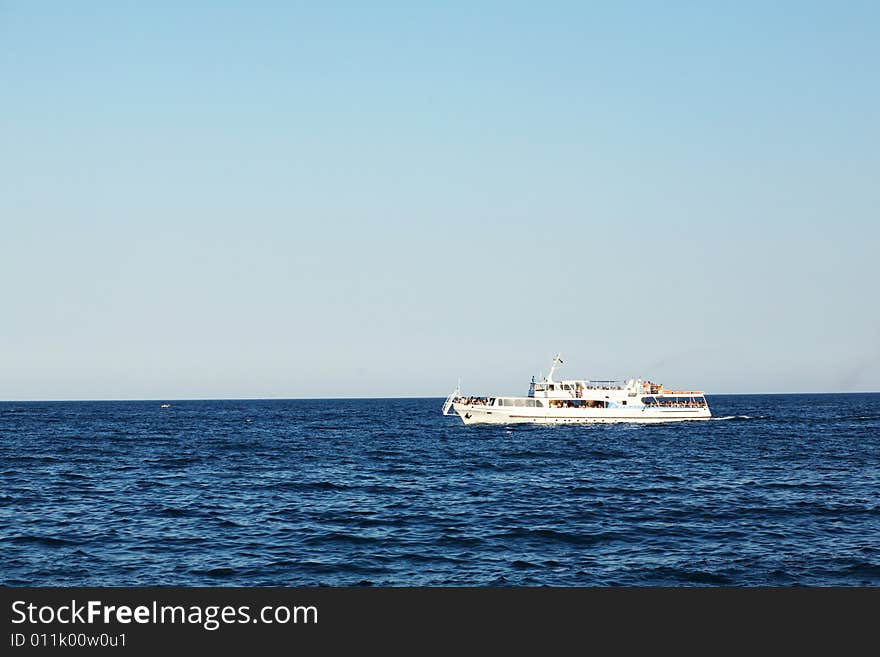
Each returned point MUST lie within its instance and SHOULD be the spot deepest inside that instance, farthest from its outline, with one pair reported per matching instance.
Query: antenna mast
(556, 361)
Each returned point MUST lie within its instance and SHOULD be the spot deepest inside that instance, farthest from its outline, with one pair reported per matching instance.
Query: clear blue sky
(372, 199)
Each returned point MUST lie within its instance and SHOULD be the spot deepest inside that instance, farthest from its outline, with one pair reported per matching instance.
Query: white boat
(582, 401)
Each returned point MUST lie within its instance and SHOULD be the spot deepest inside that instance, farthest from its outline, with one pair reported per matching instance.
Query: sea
(778, 490)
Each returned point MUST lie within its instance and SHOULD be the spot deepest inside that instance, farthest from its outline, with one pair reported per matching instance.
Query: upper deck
(577, 388)
(547, 388)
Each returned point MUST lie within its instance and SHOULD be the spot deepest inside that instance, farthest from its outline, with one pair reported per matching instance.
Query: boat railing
(447, 405)
(617, 384)
(605, 385)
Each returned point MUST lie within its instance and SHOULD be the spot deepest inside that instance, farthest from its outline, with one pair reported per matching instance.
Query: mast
(556, 361)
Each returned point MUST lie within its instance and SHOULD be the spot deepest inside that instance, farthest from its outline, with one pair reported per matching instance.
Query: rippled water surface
(780, 489)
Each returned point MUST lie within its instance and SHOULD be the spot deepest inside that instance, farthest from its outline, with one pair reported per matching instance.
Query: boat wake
(734, 417)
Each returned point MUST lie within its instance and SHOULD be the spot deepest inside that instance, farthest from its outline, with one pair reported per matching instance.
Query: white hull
(480, 414)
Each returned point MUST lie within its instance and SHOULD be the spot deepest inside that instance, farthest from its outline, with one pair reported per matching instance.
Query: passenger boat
(582, 401)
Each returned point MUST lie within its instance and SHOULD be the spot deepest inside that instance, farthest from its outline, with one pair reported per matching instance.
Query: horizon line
(183, 399)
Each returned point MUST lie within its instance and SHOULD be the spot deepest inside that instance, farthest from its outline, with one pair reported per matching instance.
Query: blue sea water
(777, 490)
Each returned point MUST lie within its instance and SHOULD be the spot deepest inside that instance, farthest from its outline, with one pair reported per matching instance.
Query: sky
(286, 200)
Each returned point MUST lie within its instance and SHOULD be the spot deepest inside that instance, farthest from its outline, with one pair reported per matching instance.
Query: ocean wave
(341, 537)
(45, 541)
(552, 535)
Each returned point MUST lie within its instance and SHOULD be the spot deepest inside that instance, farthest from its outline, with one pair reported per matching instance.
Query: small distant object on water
(165, 406)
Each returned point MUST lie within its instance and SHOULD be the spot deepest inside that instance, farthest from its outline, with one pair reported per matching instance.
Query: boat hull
(478, 414)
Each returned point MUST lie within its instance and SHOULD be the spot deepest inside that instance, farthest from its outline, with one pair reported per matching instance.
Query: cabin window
(527, 402)
(577, 403)
(674, 401)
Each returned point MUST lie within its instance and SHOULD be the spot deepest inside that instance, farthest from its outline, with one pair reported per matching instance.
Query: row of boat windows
(530, 403)
(577, 403)
(674, 401)
(553, 403)
(572, 387)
